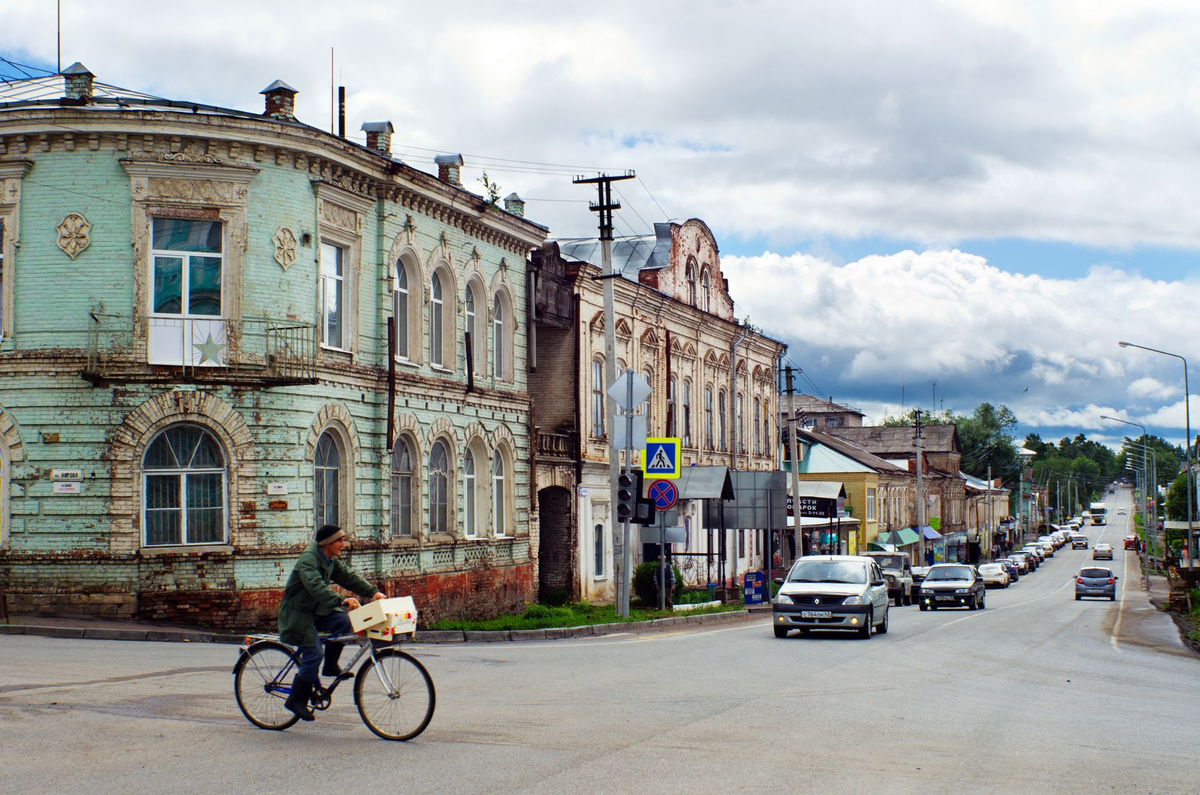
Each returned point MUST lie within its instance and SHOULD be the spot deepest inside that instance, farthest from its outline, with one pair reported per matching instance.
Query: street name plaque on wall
(66, 474)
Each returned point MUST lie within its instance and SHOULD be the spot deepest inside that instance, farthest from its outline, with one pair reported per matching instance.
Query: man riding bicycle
(310, 606)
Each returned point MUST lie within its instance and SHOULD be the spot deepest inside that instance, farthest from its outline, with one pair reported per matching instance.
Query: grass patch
(571, 615)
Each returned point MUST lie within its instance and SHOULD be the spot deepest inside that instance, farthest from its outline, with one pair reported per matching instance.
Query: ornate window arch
(329, 492)
(475, 488)
(184, 488)
(407, 298)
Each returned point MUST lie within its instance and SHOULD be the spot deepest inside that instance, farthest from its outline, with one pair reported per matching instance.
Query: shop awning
(908, 536)
(930, 533)
(813, 522)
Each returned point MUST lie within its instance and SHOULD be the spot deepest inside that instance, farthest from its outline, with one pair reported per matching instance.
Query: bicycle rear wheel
(262, 681)
(403, 710)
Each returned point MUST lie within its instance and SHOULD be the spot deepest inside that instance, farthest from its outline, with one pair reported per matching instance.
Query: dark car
(1094, 581)
(1021, 562)
(952, 585)
(1079, 541)
(1014, 571)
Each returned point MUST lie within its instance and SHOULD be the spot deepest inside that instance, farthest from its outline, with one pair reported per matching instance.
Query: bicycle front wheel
(262, 681)
(394, 695)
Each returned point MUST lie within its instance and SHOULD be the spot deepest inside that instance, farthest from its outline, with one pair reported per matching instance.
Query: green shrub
(643, 584)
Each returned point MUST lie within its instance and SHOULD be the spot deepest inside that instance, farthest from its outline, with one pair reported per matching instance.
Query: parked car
(1120, 512)
(1095, 581)
(1036, 553)
(994, 574)
(831, 592)
(1131, 542)
(952, 585)
(897, 572)
(1102, 551)
(1014, 573)
(1021, 562)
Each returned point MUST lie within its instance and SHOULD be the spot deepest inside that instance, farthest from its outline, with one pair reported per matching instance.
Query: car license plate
(816, 614)
(947, 598)
(1095, 590)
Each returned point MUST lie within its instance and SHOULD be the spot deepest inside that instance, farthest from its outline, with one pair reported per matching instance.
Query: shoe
(332, 655)
(297, 700)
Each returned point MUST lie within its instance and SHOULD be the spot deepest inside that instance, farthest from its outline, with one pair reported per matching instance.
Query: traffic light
(629, 492)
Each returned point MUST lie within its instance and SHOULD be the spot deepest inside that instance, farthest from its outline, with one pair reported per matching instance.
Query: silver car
(831, 592)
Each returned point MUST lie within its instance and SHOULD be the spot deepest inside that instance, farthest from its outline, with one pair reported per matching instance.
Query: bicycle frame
(366, 646)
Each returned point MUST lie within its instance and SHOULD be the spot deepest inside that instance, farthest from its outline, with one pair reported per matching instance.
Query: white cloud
(1152, 388)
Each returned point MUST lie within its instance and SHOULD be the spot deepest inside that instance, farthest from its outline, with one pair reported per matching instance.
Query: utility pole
(605, 206)
(991, 536)
(920, 485)
(792, 448)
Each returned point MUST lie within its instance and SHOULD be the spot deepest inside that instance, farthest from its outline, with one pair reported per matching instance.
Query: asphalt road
(1037, 693)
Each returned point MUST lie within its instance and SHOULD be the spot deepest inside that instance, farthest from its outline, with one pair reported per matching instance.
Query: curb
(423, 636)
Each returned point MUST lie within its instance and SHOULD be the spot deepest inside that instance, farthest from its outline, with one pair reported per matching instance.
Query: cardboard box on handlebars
(386, 619)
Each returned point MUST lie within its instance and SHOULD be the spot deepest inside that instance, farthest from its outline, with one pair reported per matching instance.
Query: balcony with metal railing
(203, 350)
(556, 446)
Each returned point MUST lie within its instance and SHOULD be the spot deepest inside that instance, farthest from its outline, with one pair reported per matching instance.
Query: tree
(1176, 504)
(986, 437)
(492, 190)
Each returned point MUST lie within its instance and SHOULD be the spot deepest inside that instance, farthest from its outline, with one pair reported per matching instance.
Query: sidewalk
(86, 627)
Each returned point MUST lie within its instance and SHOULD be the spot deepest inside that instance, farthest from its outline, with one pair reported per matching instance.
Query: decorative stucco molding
(74, 234)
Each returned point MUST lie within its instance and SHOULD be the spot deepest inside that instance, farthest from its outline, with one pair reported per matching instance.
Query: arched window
(183, 488)
(739, 420)
(499, 496)
(470, 526)
(439, 486)
(498, 340)
(597, 399)
(722, 421)
(705, 293)
(436, 310)
(686, 418)
(402, 311)
(327, 466)
(691, 284)
(402, 489)
(469, 309)
(672, 409)
(757, 427)
(598, 551)
(768, 442)
(648, 406)
(708, 418)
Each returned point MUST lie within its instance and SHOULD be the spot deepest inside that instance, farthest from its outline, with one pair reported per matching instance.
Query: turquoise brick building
(196, 367)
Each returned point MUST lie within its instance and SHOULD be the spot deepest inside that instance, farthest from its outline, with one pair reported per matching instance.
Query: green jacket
(308, 594)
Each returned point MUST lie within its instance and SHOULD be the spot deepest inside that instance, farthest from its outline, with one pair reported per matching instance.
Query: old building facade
(713, 386)
(196, 369)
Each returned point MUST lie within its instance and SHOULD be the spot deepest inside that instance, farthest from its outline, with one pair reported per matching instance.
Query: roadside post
(629, 391)
(662, 461)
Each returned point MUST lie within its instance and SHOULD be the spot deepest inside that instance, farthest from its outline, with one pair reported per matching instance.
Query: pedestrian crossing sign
(662, 458)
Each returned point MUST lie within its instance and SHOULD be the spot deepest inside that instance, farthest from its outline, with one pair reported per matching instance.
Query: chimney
(379, 136)
(515, 205)
(78, 82)
(281, 101)
(448, 166)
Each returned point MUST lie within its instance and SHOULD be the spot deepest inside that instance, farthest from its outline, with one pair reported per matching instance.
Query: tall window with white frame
(705, 293)
(757, 427)
(333, 296)
(598, 551)
(672, 409)
(739, 420)
(183, 488)
(498, 321)
(499, 503)
(470, 529)
(871, 505)
(436, 309)
(686, 418)
(722, 421)
(327, 467)
(768, 442)
(402, 489)
(708, 418)
(597, 399)
(439, 487)
(472, 319)
(691, 284)
(402, 311)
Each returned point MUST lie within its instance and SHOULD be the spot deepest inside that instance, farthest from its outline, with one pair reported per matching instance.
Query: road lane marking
(1009, 607)
(1121, 609)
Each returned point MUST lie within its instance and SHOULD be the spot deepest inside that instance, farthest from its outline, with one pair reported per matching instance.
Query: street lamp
(1190, 480)
(1149, 524)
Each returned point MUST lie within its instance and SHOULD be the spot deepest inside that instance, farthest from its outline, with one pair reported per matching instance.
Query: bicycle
(393, 692)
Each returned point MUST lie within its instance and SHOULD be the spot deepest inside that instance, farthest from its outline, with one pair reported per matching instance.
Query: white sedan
(994, 574)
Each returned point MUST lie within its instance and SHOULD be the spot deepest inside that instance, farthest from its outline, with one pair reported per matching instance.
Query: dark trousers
(337, 623)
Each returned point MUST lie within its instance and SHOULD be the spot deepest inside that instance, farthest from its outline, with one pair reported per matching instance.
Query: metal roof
(630, 255)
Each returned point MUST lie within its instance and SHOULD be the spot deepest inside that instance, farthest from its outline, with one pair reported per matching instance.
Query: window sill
(437, 368)
(186, 549)
(403, 541)
(330, 349)
(407, 363)
(441, 538)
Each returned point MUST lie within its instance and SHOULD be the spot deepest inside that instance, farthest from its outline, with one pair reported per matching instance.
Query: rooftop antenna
(332, 96)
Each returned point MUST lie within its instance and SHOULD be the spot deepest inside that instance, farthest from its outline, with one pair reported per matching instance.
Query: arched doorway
(556, 550)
